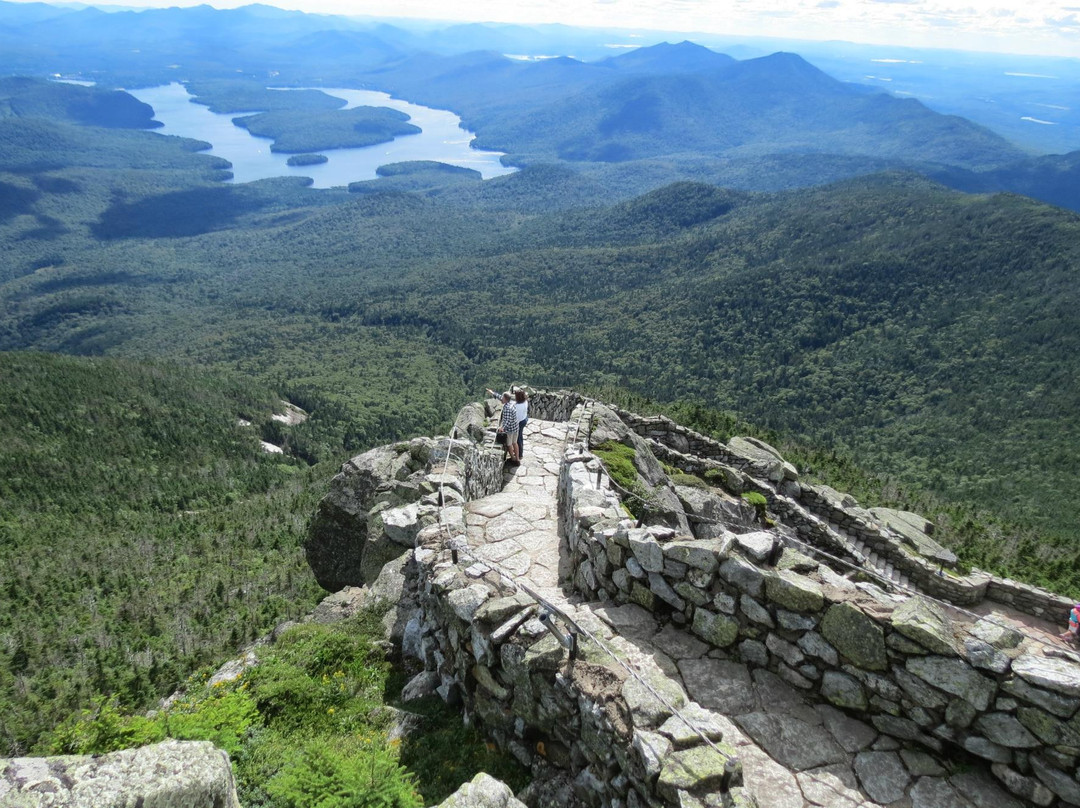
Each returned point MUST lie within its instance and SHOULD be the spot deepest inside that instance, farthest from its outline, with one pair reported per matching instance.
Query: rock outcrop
(915, 531)
(356, 530)
(483, 791)
(171, 774)
(657, 491)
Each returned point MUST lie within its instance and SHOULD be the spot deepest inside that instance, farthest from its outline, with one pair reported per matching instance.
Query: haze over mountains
(762, 123)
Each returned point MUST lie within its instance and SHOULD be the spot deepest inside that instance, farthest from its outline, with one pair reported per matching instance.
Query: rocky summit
(708, 650)
(745, 638)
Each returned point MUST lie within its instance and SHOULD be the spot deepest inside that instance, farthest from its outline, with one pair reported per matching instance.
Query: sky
(1050, 27)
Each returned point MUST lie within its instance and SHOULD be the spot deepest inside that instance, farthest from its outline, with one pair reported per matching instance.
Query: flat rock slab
(831, 786)
(178, 773)
(851, 733)
(792, 743)
(934, 792)
(694, 725)
(629, 619)
(517, 565)
(506, 526)
(883, 775)
(777, 696)
(1059, 675)
(771, 785)
(680, 644)
(496, 552)
(489, 507)
(982, 791)
(719, 685)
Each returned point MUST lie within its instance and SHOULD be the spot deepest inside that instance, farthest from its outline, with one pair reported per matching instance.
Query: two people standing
(515, 414)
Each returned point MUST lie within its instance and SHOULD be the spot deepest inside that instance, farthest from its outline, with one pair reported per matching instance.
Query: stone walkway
(516, 530)
(794, 753)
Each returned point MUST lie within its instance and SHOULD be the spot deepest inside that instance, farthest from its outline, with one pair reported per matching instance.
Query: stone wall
(801, 507)
(553, 406)
(520, 685)
(797, 504)
(477, 469)
(381, 498)
(1029, 599)
(932, 578)
(581, 714)
(901, 663)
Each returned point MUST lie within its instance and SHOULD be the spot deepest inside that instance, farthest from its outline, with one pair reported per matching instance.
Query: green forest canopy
(143, 531)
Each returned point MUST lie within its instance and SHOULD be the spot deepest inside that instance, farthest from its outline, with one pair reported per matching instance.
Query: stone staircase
(871, 559)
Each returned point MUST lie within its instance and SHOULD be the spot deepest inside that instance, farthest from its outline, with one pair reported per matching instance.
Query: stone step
(873, 559)
(904, 580)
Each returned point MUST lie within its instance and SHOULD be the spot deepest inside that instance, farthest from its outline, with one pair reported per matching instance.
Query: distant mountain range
(690, 104)
(671, 111)
(775, 104)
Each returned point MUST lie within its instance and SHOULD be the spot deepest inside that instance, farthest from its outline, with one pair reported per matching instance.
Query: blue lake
(442, 139)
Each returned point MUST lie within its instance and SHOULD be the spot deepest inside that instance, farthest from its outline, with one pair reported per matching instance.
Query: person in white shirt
(521, 401)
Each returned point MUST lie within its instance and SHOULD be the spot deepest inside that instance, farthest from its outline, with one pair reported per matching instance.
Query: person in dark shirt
(508, 425)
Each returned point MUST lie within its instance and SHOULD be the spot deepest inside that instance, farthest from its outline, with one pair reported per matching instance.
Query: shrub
(692, 480)
(352, 775)
(223, 717)
(103, 728)
(759, 502)
(619, 461)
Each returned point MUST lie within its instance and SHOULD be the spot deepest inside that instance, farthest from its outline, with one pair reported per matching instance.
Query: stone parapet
(472, 469)
(663, 430)
(583, 714)
(554, 406)
(1030, 599)
(814, 511)
(899, 662)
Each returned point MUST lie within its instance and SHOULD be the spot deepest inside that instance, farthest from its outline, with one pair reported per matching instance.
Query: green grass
(308, 725)
(618, 458)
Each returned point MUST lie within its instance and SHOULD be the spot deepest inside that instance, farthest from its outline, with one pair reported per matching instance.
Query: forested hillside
(929, 332)
(143, 531)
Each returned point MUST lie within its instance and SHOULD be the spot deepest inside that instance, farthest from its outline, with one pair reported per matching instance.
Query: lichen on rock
(171, 774)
